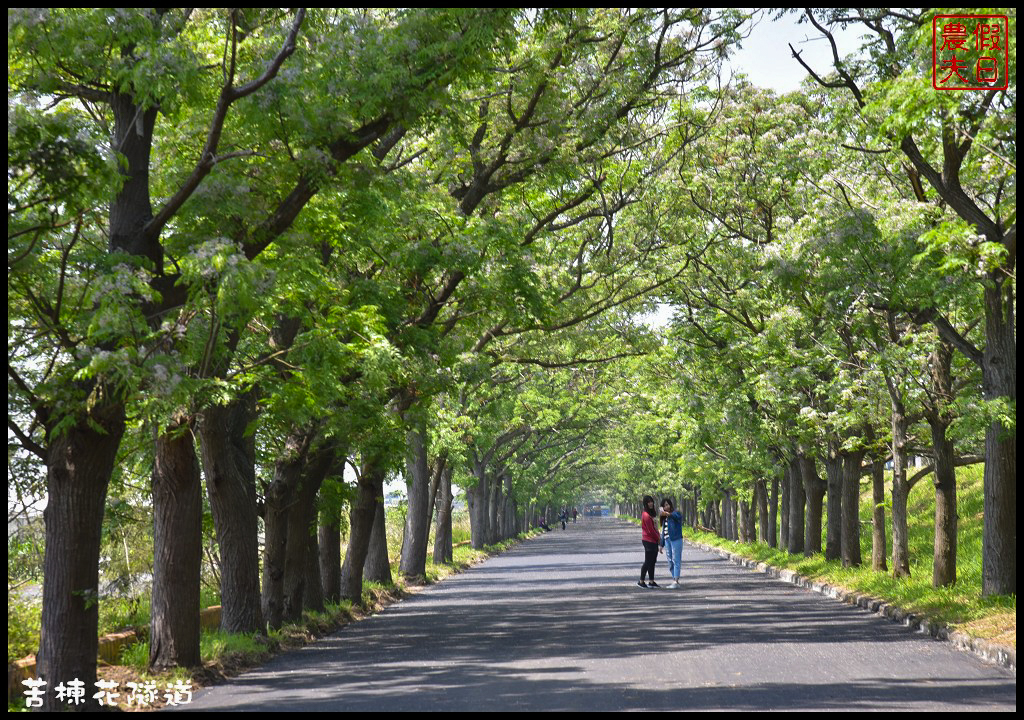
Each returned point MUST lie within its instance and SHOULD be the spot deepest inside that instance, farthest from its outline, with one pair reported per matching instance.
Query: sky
(767, 61)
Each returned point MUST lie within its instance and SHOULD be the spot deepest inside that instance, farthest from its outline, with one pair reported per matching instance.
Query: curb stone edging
(985, 649)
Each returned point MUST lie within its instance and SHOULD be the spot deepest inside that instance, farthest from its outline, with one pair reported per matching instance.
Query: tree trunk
(761, 498)
(773, 513)
(493, 504)
(300, 528)
(814, 489)
(784, 507)
(797, 500)
(477, 497)
(413, 564)
(361, 520)
(79, 463)
(330, 559)
(944, 568)
(508, 510)
(999, 380)
(443, 550)
(723, 526)
(746, 522)
(437, 468)
(177, 551)
(377, 567)
(229, 464)
(278, 498)
(878, 553)
(834, 529)
(939, 416)
(900, 489)
(313, 590)
(851, 509)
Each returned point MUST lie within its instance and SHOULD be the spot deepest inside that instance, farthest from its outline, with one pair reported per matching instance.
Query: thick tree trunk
(878, 549)
(79, 463)
(413, 564)
(177, 551)
(999, 379)
(361, 519)
(313, 590)
(797, 501)
(80, 457)
(851, 508)
(330, 559)
(814, 489)
(229, 464)
(300, 528)
(443, 550)
(278, 499)
(834, 476)
(377, 567)
(939, 416)
(746, 522)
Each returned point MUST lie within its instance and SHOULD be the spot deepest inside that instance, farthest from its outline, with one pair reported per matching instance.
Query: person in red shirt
(650, 538)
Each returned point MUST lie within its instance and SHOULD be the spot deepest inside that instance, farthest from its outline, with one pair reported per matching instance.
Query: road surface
(558, 623)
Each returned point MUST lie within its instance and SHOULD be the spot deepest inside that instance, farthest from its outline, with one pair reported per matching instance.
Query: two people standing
(671, 537)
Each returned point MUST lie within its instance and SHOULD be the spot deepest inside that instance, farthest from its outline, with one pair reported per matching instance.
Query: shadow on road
(557, 623)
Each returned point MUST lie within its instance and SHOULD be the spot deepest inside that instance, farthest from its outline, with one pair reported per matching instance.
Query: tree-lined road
(557, 623)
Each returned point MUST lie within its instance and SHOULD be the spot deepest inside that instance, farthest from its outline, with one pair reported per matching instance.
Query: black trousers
(650, 557)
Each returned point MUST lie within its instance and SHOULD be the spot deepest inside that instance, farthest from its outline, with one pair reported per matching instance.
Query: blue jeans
(674, 553)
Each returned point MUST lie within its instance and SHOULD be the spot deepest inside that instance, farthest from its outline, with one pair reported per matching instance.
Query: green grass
(23, 618)
(214, 646)
(960, 606)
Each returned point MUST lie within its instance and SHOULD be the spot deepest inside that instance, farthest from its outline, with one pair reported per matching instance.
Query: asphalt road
(558, 623)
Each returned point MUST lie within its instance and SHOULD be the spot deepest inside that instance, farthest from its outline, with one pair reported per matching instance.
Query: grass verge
(226, 654)
(960, 606)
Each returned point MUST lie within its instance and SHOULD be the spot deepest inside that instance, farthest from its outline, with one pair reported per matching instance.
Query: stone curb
(985, 649)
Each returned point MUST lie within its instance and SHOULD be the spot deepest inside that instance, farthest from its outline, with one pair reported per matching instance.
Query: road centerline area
(558, 623)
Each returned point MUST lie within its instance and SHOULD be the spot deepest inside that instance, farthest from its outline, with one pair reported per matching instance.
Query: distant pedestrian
(672, 537)
(649, 537)
(575, 512)
(564, 517)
